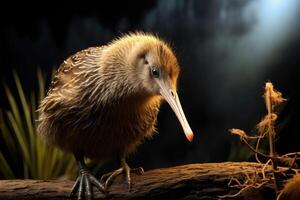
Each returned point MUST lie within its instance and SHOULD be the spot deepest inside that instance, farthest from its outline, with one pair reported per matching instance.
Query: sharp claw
(88, 192)
(81, 188)
(74, 188)
(138, 170)
(97, 184)
(110, 179)
(104, 177)
(128, 180)
(141, 170)
(85, 182)
(125, 169)
(127, 176)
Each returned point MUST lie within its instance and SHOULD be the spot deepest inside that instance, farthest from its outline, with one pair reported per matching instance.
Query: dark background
(227, 51)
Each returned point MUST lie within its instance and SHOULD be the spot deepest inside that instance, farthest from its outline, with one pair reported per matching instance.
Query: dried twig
(243, 137)
(272, 98)
(250, 182)
(264, 169)
(265, 128)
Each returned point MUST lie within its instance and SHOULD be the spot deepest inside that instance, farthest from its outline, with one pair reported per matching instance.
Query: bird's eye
(155, 72)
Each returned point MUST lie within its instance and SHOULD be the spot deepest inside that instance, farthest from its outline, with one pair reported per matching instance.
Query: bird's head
(156, 70)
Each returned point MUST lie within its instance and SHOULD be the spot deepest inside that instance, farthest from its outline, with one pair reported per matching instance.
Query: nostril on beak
(172, 93)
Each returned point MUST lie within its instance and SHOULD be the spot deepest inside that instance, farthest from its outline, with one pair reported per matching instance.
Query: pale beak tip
(190, 136)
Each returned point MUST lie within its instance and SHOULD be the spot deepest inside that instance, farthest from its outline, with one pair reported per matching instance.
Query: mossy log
(193, 181)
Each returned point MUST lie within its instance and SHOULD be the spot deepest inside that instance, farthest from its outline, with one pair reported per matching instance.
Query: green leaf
(6, 134)
(20, 138)
(18, 128)
(5, 168)
(13, 104)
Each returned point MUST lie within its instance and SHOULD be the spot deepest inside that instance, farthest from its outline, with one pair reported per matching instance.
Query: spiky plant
(22, 153)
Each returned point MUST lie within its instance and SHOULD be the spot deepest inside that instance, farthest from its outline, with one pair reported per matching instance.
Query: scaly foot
(84, 183)
(108, 178)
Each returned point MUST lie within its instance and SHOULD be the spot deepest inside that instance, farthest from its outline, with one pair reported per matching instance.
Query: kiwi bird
(103, 102)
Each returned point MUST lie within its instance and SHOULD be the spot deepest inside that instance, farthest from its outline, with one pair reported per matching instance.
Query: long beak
(172, 98)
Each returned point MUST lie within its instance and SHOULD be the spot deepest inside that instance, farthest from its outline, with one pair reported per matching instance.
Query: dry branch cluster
(270, 173)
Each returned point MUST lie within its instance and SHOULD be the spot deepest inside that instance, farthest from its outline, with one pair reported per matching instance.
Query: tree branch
(193, 181)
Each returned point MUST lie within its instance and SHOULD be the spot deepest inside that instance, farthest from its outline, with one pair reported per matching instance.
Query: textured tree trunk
(193, 181)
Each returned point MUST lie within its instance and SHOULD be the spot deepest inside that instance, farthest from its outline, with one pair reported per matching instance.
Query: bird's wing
(63, 89)
(66, 71)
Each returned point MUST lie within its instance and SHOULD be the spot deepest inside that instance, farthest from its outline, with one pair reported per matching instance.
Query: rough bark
(193, 181)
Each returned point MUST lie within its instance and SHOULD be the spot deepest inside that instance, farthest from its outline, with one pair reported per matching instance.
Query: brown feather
(95, 106)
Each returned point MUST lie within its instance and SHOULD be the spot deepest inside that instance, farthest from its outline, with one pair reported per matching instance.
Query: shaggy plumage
(104, 101)
(100, 104)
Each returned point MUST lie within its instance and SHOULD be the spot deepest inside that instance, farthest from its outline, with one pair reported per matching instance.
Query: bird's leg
(84, 182)
(125, 169)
